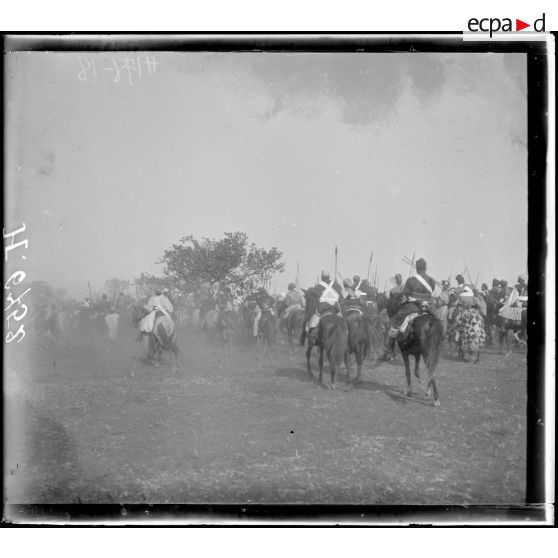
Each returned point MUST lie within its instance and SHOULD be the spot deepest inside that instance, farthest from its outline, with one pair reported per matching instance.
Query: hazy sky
(398, 153)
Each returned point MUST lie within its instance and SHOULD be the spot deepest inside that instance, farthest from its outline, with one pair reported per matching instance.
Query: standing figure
(442, 305)
(111, 319)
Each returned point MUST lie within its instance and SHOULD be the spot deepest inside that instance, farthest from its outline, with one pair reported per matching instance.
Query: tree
(146, 283)
(194, 263)
(115, 286)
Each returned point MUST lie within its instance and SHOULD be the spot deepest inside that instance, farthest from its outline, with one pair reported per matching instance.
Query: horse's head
(312, 300)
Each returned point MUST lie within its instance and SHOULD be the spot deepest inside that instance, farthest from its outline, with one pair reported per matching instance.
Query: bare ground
(92, 423)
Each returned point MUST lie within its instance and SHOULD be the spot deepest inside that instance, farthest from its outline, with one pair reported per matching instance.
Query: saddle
(511, 313)
(354, 308)
(402, 332)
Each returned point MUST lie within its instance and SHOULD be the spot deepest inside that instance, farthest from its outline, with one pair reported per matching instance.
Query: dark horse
(293, 323)
(358, 325)
(163, 337)
(331, 338)
(267, 329)
(424, 340)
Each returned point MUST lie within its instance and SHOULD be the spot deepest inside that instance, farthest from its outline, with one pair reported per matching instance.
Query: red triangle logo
(519, 25)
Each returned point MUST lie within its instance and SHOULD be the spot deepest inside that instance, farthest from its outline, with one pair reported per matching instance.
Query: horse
(517, 327)
(331, 338)
(267, 329)
(162, 338)
(293, 322)
(424, 340)
(358, 324)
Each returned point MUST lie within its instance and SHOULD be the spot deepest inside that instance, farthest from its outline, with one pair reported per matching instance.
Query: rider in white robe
(157, 302)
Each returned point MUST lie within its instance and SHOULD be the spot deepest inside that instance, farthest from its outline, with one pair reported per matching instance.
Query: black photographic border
(533, 510)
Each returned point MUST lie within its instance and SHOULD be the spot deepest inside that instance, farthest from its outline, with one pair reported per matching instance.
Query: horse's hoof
(436, 403)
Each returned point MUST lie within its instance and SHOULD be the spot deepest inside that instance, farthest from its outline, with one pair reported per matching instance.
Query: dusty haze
(398, 153)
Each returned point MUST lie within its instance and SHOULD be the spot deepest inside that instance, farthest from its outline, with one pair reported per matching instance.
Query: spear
(297, 274)
(412, 265)
(336, 260)
(408, 262)
(370, 265)
(90, 293)
(375, 276)
(476, 281)
(469, 275)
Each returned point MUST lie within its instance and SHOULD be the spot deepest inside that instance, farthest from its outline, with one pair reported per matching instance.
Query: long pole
(297, 274)
(90, 292)
(412, 265)
(370, 265)
(335, 276)
(469, 275)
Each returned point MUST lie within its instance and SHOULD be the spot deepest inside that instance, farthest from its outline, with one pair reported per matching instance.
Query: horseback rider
(293, 301)
(262, 301)
(503, 294)
(329, 293)
(395, 298)
(515, 301)
(398, 289)
(416, 296)
(157, 303)
(357, 286)
(349, 290)
(521, 286)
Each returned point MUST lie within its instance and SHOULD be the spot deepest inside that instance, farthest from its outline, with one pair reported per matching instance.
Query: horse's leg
(321, 364)
(417, 362)
(308, 355)
(359, 359)
(407, 372)
(332, 371)
(147, 347)
(508, 352)
(433, 388)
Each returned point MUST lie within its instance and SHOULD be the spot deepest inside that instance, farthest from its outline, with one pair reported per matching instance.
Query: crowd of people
(419, 293)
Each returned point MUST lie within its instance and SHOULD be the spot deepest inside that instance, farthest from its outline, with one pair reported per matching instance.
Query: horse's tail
(336, 344)
(167, 339)
(433, 343)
